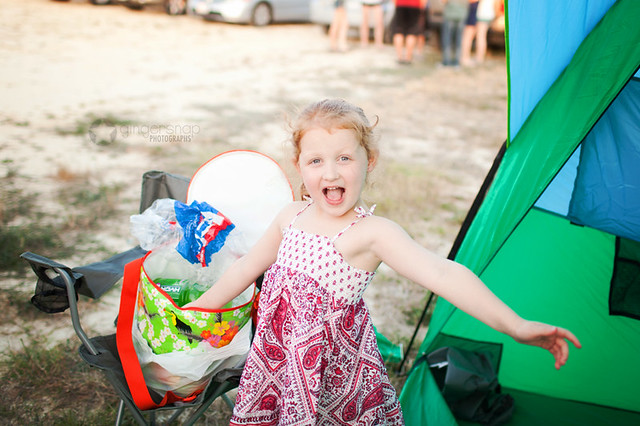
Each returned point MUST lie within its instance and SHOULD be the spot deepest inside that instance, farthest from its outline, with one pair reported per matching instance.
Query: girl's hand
(192, 305)
(549, 337)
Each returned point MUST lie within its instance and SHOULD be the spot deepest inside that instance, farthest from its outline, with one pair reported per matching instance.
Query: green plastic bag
(167, 328)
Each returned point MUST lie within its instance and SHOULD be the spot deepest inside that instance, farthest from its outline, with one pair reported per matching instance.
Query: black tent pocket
(624, 294)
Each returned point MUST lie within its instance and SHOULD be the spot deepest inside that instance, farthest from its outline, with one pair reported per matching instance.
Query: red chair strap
(130, 364)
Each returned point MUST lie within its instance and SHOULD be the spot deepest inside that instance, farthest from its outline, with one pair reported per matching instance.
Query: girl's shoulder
(289, 212)
(373, 237)
(295, 207)
(378, 227)
(378, 220)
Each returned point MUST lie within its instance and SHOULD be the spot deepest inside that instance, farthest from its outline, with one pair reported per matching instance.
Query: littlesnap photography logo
(104, 132)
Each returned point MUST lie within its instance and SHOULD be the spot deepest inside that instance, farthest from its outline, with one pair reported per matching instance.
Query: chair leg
(120, 413)
(222, 389)
(125, 401)
(174, 417)
(226, 399)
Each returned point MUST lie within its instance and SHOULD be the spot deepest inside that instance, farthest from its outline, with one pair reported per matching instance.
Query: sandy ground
(67, 64)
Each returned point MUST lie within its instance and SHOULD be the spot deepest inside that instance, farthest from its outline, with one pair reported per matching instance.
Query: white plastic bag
(156, 226)
(184, 372)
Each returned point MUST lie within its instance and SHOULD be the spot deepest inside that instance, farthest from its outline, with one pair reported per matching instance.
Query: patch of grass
(53, 386)
(12, 171)
(81, 128)
(15, 240)
(15, 123)
(15, 203)
(412, 314)
(17, 306)
(22, 228)
(404, 192)
(89, 204)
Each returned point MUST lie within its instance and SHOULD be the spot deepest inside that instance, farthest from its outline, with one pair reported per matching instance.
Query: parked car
(96, 2)
(172, 7)
(254, 12)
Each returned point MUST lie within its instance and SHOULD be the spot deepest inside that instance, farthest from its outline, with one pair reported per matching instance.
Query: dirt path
(68, 64)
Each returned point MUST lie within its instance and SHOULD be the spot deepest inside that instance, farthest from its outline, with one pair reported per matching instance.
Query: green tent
(555, 231)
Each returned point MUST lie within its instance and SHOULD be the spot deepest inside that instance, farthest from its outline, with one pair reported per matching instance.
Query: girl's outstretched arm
(456, 283)
(244, 271)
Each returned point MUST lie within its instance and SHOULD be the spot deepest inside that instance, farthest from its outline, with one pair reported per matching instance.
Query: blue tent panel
(542, 42)
(557, 196)
(607, 191)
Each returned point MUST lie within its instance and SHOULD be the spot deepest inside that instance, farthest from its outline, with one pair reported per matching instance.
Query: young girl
(314, 358)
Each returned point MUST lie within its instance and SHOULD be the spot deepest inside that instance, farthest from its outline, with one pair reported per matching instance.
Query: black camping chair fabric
(57, 290)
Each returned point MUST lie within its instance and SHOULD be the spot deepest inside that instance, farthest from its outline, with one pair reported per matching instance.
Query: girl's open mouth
(333, 194)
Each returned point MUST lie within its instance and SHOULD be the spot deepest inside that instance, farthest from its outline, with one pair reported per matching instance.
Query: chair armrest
(56, 291)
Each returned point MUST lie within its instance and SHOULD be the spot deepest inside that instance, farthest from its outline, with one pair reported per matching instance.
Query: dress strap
(361, 213)
(300, 212)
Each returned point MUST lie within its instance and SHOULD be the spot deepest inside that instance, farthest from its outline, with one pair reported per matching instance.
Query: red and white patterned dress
(314, 359)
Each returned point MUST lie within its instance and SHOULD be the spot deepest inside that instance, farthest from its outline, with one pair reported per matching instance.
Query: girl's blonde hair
(334, 114)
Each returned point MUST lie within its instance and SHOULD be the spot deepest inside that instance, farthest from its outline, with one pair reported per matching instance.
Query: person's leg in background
(339, 27)
(445, 42)
(458, 37)
(378, 25)
(364, 25)
(468, 34)
(372, 11)
(482, 28)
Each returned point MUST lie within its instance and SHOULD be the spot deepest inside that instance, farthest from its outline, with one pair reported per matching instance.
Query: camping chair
(57, 290)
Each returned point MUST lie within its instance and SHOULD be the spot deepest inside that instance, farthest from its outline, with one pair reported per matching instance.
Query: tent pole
(461, 234)
(415, 332)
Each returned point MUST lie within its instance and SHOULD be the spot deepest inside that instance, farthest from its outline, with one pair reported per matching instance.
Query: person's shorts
(472, 16)
(406, 21)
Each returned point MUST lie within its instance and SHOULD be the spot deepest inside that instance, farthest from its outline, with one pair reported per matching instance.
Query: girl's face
(333, 166)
